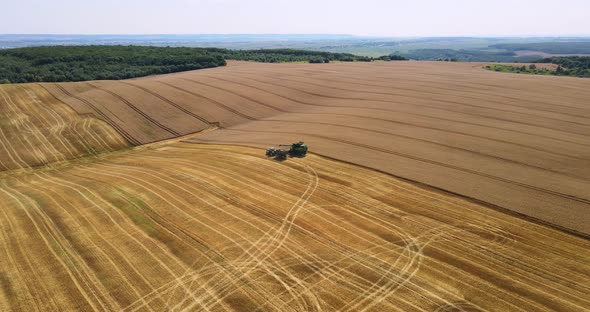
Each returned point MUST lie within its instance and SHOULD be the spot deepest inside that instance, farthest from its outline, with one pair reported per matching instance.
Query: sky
(407, 18)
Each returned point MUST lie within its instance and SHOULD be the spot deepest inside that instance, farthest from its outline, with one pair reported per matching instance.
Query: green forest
(573, 66)
(81, 63)
(577, 66)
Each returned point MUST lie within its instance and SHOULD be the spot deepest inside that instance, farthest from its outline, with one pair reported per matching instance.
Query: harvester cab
(271, 151)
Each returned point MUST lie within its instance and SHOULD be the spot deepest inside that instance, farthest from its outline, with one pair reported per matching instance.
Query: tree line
(81, 63)
(574, 66)
(577, 66)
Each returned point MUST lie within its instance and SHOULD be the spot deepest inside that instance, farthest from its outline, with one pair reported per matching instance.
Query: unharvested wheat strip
(436, 99)
(412, 113)
(75, 188)
(315, 103)
(491, 116)
(45, 240)
(398, 122)
(428, 90)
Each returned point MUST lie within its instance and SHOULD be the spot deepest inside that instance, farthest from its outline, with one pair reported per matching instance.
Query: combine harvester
(298, 149)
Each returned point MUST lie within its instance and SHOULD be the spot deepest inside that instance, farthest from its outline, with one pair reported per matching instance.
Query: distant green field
(547, 47)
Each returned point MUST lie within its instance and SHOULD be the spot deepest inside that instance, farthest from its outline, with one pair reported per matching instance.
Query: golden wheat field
(186, 227)
(429, 187)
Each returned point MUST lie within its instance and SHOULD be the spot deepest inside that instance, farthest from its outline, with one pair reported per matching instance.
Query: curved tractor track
(182, 227)
(37, 129)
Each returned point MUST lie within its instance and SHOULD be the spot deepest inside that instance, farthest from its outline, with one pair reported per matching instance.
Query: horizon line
(302, 34)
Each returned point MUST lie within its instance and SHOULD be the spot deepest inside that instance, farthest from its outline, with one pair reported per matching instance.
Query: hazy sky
(359, 17)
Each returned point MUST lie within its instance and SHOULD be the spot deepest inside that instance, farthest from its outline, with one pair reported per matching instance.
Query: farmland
(431, 186)
(185, 226)
(524, 147)
(37, 129)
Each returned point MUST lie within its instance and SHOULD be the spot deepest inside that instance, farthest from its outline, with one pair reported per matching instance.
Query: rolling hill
(429, 187)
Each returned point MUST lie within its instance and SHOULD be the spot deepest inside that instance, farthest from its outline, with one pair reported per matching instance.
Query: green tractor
(298, 149)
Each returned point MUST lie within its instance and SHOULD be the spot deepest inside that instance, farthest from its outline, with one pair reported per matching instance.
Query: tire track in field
(540, 189)
(24, 119)
(386, 120)
(148, 186)
(59, 123)
(485, 155)
(209, 190)
(498, 252)
(83, 141)
(38, 229)
(534, 148)
(100, 113)
(401, 111)
(210, 100)
(254, 244)
(136, 109)
(75, 187)
(214, 172)
(426, 87)
(318, 95)
(168, 101)
(161, 160)
(240, 95)
(430, 98)
(531, 268)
